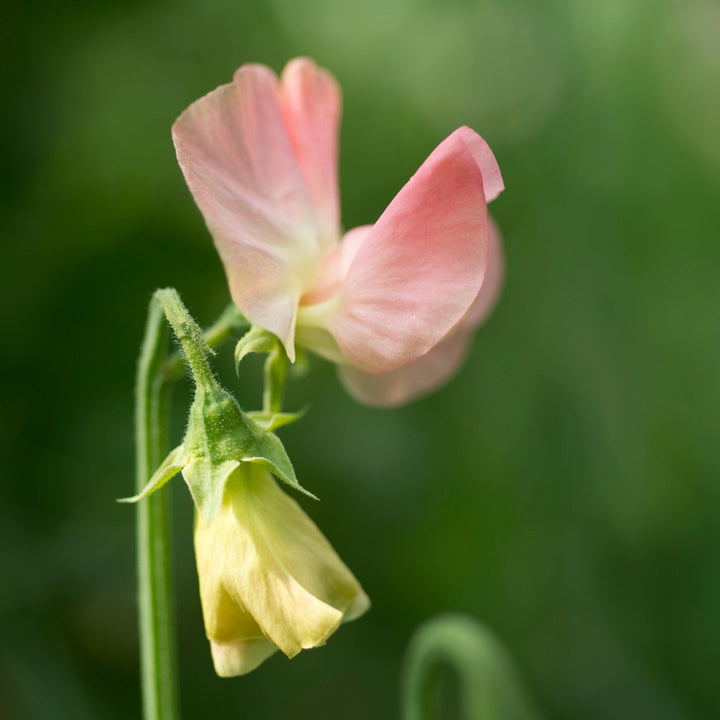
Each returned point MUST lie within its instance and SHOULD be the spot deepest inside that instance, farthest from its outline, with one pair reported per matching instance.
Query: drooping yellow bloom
(268, 577)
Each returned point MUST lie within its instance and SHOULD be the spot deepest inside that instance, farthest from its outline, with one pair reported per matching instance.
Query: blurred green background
(563, 488)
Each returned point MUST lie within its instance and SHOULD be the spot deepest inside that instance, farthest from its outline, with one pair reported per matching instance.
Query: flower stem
(229, 321)
(154, 547)
(274, 374)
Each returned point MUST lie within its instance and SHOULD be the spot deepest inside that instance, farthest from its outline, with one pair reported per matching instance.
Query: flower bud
(268, 577)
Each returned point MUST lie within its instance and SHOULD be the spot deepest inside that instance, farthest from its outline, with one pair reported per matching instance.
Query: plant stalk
(159, 675)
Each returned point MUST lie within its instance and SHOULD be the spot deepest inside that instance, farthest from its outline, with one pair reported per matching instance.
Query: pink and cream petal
(311, 101)
(411, 381)
(334, 267)
(234, 151)
(421, 265)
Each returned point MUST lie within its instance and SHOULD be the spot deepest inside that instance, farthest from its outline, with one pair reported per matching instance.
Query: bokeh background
(563, 488)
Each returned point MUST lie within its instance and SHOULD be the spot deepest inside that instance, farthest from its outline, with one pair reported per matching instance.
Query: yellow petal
(239, 658)
(267, 573)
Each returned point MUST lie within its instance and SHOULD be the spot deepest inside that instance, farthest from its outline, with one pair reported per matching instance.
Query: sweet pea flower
(393, 304)
(268, 577)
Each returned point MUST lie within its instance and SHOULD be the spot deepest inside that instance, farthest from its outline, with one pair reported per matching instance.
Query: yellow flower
(268, 577)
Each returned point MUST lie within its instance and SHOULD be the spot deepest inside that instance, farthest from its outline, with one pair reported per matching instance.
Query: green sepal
(170, 467)
(206, 480)
(219, 437)
(272, 421)
(273, 457)
(255, 340)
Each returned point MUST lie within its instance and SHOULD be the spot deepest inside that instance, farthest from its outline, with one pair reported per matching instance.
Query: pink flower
(393, 304)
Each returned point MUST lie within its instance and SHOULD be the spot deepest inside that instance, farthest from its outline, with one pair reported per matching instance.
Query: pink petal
(440, 363)
(310, 100)
(422, 264)
(233, 148)
(335, 265)
(352, 241)
(492, 179)
(493, 281)
(411, 381)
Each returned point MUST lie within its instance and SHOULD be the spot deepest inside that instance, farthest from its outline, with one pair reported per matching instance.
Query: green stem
(154, 547)
(229, 322)
(489, 686)
(274, 374)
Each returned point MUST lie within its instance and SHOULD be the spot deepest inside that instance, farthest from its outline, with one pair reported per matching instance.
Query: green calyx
(220, 437)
